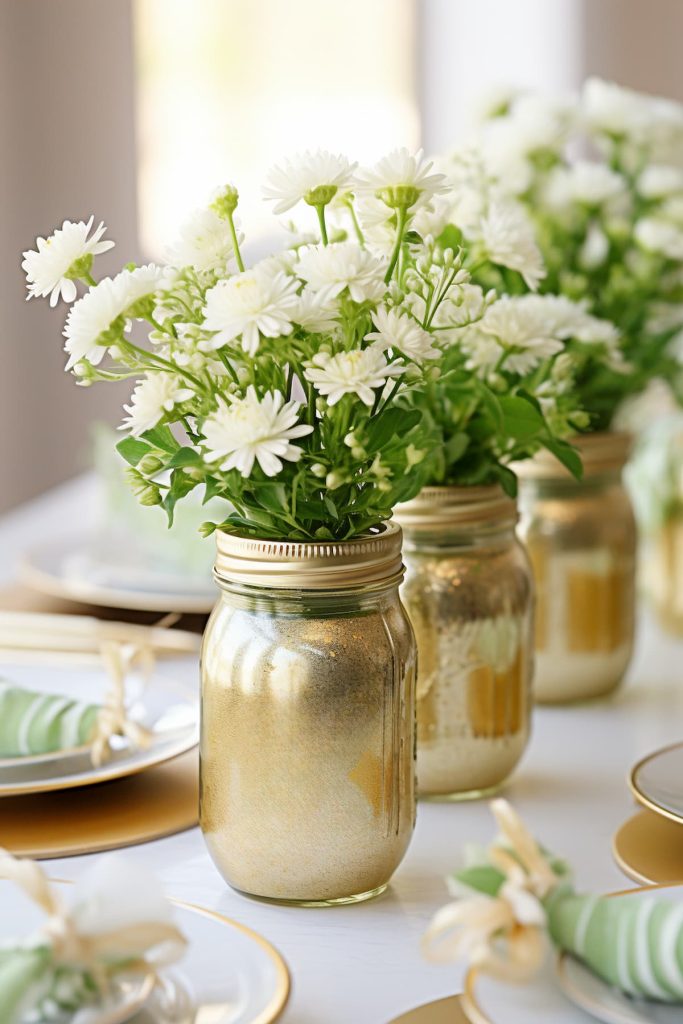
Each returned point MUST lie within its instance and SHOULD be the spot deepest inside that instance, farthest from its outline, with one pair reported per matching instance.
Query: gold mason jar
(308, 718)
(469, 594)
(581, 537)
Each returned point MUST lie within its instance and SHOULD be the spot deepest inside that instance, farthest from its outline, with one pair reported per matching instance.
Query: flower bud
(317, 469)
(334, 480)
(358, 452)
(321, 195)
(226, 202)
(384, 486)
(150, 464)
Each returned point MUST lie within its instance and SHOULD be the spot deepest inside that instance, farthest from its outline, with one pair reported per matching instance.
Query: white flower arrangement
(599, 178)
(318, 388)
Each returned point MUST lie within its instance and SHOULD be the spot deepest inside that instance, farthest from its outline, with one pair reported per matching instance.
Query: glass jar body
(581, 538)
(469, 594)
(307, 744)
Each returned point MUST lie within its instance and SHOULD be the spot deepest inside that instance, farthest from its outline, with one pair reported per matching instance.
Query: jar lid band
(440, 508)
(310, 565)
(602, 452)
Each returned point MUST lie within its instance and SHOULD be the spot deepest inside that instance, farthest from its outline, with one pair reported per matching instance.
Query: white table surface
(362, 964)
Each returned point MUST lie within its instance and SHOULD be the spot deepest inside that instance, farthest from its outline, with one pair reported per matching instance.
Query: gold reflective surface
(469, 594)
(307, 746)
(581, 539)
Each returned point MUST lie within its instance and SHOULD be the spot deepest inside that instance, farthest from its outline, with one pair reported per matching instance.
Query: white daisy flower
(316, 312)
(204, 242)
(595, 248)
(432, 218)
(522, 330)
(248, 430)
(47, 267)
(151, 398)
(402, 179)
(659, 181)
(508, 237)
(584, 181)
(329, 269)
(91, 318)
(314, 177)
(257, 302)
(399, 331)
(613, 109)
(352, 373)
(660, 236)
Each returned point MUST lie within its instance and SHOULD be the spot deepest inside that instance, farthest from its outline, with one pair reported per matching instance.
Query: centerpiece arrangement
(600, 178)
(313, 392)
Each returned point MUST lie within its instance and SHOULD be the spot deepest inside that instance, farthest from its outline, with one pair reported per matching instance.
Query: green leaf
(162, 438)
(566, 454)
(214, 488)
(521, 420)
(331, 507)
(390, 422)
(272, 497)
(451, 238)
(456, 447)
(181, 485)
(185, 457)
(132, 450)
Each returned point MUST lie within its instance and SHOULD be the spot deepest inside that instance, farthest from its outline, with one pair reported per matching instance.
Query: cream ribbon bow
(501, 935)
(131, 944)
(112, 719)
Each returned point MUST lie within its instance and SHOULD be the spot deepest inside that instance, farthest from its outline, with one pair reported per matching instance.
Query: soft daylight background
(96, 94)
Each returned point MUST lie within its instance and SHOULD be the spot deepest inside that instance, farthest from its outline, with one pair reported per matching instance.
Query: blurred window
(228, 87)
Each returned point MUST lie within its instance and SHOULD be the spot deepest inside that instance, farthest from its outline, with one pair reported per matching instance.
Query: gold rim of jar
(604, 451)
(437, 508)
(310, 565)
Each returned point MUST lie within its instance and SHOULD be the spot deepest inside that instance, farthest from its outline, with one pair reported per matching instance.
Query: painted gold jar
(581, 538)
(308, 718)
(469, 593)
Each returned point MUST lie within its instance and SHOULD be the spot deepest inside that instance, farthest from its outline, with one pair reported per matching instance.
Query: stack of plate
(60, 803)
(649, 846)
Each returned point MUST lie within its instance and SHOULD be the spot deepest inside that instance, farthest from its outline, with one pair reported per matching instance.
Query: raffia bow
(112, 719)
(144, 946)
(500, 935)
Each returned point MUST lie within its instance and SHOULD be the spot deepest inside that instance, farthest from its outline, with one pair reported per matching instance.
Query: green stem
(166, 363)
(400, 228)
(228, 366)
(320, 210)
(89, 279)
(235, 244)
(356, 226)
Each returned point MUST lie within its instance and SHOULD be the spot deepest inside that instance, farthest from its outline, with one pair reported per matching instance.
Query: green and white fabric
(40, 723)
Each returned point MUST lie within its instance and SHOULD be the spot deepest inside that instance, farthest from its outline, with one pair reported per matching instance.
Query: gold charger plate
(442, 1011)
(649, 849)
(656, 782)
(137, 809)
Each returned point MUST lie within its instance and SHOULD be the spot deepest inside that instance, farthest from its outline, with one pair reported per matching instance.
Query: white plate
(657, 782)
(605, 1003)
(66, 568)
(229, 974)
(167, 707)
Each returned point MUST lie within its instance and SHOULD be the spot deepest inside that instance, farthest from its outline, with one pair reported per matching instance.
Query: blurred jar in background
(581, 538)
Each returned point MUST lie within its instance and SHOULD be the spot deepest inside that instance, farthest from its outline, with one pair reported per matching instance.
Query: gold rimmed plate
(589, 992)
(649, 849)
(64, 568)
(441, 1011)
(229, 974)
(163, 705)
(656, 782)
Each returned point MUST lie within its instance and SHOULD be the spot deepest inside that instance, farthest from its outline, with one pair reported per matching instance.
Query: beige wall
(67, 144)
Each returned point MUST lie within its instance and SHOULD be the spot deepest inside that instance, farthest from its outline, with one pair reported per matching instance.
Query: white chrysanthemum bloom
(659, 181)
(595, 248)
(204, 242)
(47, 267)
(397, 330)
(402, 179)
(249, 429)
(93, 315)
(432, 218)
(612, 109)
(534, 124)
(566, 319)
(151, 398)
(584, 181)
(660, 236)
(316, 312)
(314, 177)
(357, 372)
(329, 269)
(521, 328)
(257, 302)
(508, 237)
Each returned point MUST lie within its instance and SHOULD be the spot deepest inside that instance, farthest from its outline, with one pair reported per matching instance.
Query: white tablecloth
(362, 964)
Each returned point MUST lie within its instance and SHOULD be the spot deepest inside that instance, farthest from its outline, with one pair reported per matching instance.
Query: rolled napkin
(514, 893)
(118, 920)
(32, 722)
